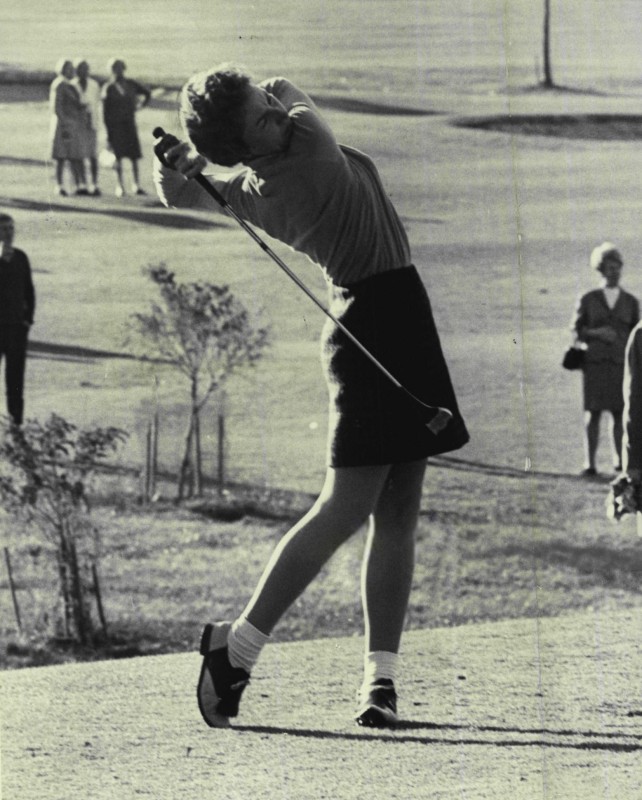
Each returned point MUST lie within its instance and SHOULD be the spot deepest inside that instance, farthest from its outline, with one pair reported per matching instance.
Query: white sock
(379, 664)
(244, 644)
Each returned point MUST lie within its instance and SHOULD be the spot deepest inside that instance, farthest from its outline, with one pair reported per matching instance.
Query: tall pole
(548, 72)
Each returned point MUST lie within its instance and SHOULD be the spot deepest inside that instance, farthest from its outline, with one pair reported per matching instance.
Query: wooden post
(16, 608)
(198, 463)
(147, 475)
(154, 442)
(221, 451)
(99, 601)
(153, 467)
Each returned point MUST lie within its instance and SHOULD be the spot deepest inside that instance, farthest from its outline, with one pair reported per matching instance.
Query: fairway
(521, 646)
(501, 224)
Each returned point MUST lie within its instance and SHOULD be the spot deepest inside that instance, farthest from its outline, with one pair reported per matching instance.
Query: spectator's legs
(78, 172)
(591, 437)
(60, 176)
(136, 187)
(16, 352)
(118, 169)
(93, 167)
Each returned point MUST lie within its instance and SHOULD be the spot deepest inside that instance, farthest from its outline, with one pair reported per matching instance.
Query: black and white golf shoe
(378, 705)
(220, 685)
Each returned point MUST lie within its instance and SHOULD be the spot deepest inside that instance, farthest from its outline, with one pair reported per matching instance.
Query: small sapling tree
(207, 334)
(45, 469)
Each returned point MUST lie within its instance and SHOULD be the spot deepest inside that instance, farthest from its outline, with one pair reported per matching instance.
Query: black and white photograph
(321, 413)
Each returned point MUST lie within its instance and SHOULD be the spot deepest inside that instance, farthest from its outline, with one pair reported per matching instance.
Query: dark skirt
(602, 383)
(371, 420)
(122, 135)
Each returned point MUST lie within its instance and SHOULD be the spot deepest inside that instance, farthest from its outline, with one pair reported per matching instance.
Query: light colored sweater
(322, 199)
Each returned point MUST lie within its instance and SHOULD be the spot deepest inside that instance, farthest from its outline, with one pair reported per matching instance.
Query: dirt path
(527, 710)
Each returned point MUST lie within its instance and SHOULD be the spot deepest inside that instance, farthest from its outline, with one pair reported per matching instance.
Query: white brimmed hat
(602, 251)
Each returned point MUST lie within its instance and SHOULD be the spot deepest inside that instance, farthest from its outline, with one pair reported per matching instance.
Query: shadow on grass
(394, 737)
(162, 217)
(554, 88)
(600, 127)
(622, 567)
(354, 106)
(72, 352)
(14, 161)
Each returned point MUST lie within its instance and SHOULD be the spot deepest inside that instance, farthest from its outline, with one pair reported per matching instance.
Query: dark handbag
(573, 358)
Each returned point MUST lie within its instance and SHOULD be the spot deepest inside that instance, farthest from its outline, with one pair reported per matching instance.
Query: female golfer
(327, 201)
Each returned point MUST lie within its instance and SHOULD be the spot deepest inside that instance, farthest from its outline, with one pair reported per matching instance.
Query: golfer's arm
(176, 191)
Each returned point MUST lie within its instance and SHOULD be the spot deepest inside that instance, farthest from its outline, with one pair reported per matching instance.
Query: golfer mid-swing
(327, 201)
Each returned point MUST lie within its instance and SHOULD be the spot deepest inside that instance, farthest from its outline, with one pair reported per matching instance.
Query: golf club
(435, 418)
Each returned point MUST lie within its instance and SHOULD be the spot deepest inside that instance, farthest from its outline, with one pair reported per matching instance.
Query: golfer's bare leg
(348, 497)
(389, 559)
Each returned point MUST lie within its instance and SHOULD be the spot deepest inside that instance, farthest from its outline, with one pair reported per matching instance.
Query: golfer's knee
(345, 520)
(341, 516)
(397, 514)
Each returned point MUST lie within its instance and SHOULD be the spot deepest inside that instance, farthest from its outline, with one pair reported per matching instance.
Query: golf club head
(435, 418)
(440, 417)
(166, 140)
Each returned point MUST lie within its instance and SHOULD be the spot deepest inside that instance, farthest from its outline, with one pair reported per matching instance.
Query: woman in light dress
(90, 96)
(68, 119)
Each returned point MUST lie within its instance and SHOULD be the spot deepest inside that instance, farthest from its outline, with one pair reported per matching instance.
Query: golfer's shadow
(508, 737)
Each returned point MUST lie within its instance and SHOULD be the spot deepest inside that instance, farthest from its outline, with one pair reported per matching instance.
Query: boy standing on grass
(17, 306)
(327, 201)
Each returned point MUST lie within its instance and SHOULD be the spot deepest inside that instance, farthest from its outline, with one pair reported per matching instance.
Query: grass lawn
(492, 544)
(501, 225)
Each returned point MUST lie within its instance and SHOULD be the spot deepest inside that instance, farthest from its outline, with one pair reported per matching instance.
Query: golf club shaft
(279, 261)
(442, 416)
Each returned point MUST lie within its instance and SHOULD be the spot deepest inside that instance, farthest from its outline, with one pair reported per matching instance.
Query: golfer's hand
(186, 160)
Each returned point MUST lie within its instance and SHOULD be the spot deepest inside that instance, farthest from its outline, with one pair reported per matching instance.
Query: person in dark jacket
(17, 306)
(604, 318)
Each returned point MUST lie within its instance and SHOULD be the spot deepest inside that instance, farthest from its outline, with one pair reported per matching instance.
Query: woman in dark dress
(122, 98)
(604, 318)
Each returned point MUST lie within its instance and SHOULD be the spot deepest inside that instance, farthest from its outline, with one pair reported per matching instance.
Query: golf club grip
(167, 140)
